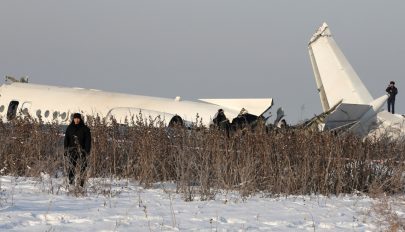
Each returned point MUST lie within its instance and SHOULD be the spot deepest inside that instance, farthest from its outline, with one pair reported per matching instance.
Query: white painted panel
(338, 77)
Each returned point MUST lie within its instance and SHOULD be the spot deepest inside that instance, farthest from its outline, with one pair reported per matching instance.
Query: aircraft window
(38, 113)
(12, 110)
(55, 114)
(63, 115)
(25, 111)
(1, 108)
(46, 113)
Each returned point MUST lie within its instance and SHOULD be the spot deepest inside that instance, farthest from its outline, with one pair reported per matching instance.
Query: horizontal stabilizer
(345, 114)
(254, 106)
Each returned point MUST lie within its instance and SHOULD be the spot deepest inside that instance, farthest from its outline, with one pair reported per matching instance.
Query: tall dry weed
(203, 161)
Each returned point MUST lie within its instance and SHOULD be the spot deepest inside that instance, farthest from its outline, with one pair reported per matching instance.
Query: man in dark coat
(219, 118)
(392, 91)
(77, 146)
(221, 122)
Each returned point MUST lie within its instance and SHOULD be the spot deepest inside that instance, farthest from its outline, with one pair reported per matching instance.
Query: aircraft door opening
(12, 110)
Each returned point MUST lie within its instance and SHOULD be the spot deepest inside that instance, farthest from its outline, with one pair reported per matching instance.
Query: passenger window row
(12, 112)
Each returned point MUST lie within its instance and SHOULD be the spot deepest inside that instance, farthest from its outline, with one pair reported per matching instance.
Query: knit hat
(77, 115)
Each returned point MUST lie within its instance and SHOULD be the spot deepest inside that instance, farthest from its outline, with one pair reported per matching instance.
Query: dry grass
(202, 161)
(385, 214)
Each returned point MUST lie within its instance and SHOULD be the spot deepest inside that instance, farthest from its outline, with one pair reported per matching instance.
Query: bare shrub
(203, 161)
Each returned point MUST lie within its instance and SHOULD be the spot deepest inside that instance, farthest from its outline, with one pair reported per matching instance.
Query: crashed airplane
(347, 104)
(58, 104)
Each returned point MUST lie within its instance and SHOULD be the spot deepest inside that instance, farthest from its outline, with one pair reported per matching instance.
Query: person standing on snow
(392, 91)
(77, 146)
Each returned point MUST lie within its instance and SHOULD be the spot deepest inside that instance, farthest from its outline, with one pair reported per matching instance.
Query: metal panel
(345, 114)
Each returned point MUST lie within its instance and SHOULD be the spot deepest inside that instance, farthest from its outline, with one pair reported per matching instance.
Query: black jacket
(82, 132)
(220, 117)
(392, 91)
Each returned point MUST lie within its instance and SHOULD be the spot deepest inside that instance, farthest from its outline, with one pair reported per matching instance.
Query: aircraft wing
(335, 78)
(254, 106)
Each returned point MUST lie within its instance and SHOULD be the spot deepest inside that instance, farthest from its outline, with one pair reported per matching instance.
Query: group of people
(243, 120)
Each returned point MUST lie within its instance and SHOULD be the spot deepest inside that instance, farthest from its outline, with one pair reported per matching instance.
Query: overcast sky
(201, 49)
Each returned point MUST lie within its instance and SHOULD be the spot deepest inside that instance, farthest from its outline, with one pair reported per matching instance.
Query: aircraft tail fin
(335, 78)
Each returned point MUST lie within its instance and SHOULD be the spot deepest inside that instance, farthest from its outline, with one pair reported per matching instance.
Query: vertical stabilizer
(319, 84)
(335, 78)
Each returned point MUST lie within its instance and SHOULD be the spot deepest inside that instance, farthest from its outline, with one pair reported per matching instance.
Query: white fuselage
(52, 103)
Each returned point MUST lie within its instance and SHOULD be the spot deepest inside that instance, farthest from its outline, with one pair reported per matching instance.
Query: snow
(44, 204)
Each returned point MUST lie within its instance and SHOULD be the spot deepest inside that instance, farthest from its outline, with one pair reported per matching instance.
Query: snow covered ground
(28, 204)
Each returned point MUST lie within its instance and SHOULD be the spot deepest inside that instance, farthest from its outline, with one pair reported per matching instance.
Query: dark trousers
(77, 158)
(391, 105)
